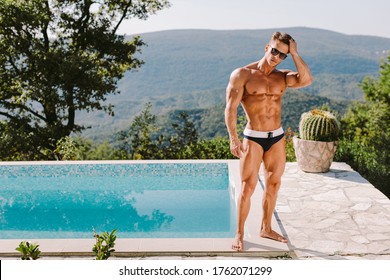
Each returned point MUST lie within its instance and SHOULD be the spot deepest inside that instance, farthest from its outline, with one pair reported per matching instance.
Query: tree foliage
(146, 140)
(29, 251)
(104, 245)
(366, 131)
(184, 135)
(137, 141)
(58, 58)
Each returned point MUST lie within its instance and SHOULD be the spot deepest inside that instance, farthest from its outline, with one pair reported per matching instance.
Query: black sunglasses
(276, 52)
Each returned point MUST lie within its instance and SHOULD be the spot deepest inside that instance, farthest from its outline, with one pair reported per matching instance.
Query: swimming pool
(139, 199)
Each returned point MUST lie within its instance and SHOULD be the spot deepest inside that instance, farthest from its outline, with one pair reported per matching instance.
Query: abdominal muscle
(263, 111)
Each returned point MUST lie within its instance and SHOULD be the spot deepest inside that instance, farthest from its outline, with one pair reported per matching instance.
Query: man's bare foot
(238, 243)
(274, 236)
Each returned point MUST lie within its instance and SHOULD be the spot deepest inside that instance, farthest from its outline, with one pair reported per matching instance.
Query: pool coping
(129, 247)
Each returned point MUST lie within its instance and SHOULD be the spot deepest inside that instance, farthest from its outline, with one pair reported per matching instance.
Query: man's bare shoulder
(241, 73)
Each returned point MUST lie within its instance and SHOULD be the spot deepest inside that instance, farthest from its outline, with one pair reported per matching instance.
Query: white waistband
(263, 134)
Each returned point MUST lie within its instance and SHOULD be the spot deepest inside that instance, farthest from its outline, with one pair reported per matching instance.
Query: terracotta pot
(314, 156)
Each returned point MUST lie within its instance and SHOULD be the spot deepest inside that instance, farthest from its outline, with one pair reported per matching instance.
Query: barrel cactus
(318, 125)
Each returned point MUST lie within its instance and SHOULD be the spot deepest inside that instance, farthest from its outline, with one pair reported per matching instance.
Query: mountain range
(189, 70)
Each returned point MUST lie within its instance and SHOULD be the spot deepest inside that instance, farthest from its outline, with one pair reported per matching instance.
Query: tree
(60, 57)
(365, 141)
(185, 134)
(216, 148)
(138, 140)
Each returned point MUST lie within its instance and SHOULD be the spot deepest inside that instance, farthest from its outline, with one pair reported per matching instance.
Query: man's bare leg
(274, 164)
(249, 169)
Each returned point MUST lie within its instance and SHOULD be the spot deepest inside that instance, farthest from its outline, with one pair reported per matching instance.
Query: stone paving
(334, 215)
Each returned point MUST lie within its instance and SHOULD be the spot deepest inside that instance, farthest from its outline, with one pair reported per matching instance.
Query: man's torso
(262, 99)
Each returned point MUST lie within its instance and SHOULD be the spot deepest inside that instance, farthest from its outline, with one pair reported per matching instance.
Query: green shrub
(366, 160)
(104, 245)
(29, 251)
(290, 152)
(66, 149)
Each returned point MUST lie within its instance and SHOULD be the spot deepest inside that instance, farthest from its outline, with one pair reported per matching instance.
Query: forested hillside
(189, 69)
(210, 122)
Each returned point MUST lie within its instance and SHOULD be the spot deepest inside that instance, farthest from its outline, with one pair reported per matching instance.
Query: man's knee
(248, 188)
(273, 183)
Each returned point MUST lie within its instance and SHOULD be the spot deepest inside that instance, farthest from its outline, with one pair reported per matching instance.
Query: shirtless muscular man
(259, 88)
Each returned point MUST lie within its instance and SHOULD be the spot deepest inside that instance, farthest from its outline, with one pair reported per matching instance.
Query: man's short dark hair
(282, 37)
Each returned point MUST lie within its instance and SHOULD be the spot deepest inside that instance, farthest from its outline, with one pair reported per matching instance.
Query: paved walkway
(334, 215)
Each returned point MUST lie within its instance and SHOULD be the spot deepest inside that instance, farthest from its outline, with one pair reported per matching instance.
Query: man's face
(275, 51)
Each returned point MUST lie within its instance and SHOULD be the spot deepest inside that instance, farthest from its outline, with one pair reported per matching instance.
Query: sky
(352, 17)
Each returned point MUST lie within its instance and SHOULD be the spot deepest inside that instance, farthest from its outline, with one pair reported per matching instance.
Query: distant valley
(189, 70)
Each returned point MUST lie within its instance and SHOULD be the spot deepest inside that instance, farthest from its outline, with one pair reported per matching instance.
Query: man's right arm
(234, 93)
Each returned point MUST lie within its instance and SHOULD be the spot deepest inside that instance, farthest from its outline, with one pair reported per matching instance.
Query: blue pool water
(139, 200)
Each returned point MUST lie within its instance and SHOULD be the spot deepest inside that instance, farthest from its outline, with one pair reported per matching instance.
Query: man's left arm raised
(302, 77)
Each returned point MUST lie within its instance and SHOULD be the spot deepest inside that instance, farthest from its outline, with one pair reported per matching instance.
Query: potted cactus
(317, 142)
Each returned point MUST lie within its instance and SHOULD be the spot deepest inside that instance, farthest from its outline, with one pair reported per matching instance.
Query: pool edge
(157, 246)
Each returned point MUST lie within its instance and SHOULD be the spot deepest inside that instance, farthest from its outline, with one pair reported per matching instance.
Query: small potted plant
(317, 142)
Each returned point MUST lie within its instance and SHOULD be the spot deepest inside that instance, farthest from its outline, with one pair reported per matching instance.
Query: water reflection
(59, 211)
(138, 206)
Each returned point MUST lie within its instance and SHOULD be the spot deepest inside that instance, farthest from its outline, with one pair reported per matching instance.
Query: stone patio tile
(362, 206)
(332, 195)
(378, 236)
(336, 215)
(360, 239)
(355, 248)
